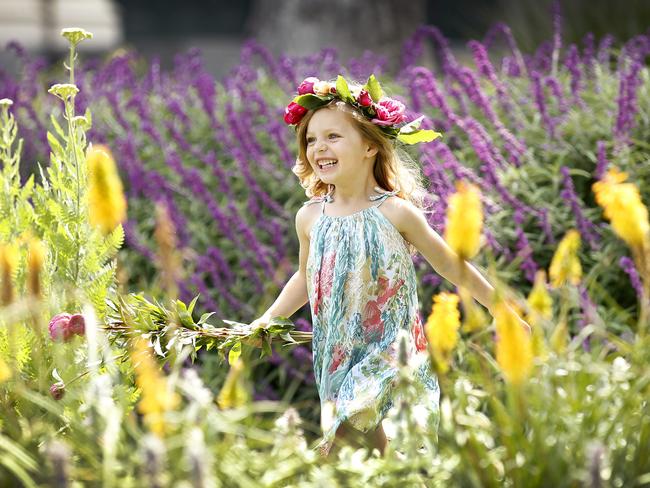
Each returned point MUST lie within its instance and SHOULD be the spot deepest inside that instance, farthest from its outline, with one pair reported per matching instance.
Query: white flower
(64, 90)
(321, 88)
(76, 34)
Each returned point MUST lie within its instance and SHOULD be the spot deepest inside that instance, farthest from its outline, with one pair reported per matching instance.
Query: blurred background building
(218, 27)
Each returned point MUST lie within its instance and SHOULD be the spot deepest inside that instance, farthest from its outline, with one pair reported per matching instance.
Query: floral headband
(387, 113)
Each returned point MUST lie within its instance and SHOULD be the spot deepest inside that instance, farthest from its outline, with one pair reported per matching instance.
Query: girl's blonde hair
(393, 169)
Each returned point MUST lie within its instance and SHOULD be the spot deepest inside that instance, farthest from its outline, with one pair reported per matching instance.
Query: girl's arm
(294, 294)
(415, 229)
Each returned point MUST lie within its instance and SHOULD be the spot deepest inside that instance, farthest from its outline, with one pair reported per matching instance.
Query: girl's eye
(333, 135)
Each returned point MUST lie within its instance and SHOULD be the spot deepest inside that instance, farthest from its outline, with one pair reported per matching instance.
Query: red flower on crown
(294, 113)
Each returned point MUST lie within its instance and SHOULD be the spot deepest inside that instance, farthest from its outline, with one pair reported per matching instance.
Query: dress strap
(322, 199)
(383, 195)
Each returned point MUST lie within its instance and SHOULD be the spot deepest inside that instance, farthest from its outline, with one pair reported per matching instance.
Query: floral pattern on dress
(362, 291)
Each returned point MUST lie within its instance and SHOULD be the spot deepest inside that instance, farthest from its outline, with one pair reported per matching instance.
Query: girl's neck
(353, 196)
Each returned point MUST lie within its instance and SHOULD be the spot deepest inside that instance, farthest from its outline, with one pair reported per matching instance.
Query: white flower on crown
(321, 88)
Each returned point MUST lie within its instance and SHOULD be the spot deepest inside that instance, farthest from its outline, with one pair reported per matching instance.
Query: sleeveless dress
(362, 291)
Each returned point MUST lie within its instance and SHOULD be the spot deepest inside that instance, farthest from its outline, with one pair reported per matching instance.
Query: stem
(69, 109)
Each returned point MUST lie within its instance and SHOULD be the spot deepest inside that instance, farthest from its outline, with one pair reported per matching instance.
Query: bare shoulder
(306, 217)
(402, 214)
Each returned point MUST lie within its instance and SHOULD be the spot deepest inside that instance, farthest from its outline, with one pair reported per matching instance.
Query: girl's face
(331, 137)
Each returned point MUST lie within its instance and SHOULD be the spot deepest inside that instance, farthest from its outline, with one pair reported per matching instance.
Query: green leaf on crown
(374, 88)
(311, 101)
(343, 90)
(419, 136)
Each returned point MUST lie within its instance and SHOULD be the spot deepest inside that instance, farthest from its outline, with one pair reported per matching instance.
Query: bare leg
(346, 434)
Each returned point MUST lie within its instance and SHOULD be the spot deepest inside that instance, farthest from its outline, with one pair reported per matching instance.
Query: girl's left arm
(415, 229)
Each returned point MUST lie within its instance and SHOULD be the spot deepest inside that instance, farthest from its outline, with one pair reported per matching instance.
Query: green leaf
(287, 337)
(205, 317)
(266, 344)
(374, 88)
(192, 303)
(419, 136)
(234, 353)
(55, 145)
(342, 89)
(311, 101)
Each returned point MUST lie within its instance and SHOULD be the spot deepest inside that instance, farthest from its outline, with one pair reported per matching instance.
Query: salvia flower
(442, 327)
(565, 265)
(464, 220)
(106, 201)
(628, 266)
(514, 348)
(623, 207)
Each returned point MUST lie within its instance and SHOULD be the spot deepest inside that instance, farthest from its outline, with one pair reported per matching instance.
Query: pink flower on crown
(389, 112)
(294, 113)
(307, 86)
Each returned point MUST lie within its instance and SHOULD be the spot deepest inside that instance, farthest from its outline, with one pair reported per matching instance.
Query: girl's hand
(260, 322)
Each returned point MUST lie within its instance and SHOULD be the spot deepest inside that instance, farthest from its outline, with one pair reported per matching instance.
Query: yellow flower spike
(5, 371)
(538, 341)
(442, 327)
(514, 347)
(565, 265)
(464, 220)
(36, 258)
(156, 397)
(106, 201)
(560, 337)
(539, 300)
(8, 264)
(623, 207)
(474, 318)
(233, 394)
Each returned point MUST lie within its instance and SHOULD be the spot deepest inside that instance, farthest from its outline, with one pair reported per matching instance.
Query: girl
(357, 234)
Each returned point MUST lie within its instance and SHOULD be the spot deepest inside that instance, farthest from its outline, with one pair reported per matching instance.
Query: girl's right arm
(294, 294)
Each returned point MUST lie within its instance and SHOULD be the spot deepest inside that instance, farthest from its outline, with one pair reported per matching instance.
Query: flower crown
(387, 113)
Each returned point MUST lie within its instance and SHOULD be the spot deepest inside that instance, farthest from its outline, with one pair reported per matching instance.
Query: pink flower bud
(77, 324)
(59, 328)
(307, 86)
(57, 390)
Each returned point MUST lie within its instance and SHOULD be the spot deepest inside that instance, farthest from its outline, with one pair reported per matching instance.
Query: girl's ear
(371, 150)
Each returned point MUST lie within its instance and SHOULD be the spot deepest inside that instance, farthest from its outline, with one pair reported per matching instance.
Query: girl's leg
(346, 434)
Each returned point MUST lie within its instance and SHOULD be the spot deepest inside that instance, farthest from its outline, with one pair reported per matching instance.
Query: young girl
(357, 234)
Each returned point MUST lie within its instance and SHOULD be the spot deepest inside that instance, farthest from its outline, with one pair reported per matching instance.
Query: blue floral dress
(362, 291)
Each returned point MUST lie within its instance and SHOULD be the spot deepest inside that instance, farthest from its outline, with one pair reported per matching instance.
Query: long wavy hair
(393, 168)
